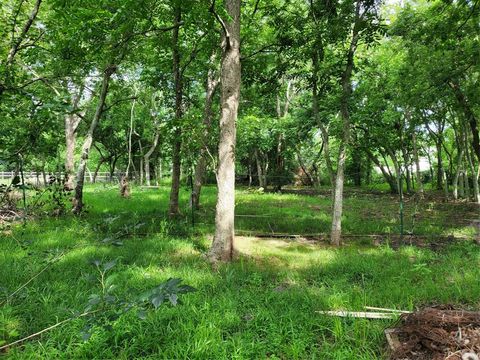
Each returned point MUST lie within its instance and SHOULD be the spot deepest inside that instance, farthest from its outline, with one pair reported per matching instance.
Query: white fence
(39, 178)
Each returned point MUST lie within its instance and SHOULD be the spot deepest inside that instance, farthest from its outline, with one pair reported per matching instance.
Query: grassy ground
(261, 306)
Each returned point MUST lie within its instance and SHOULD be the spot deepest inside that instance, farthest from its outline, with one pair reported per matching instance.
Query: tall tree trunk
(200, 167)
(71, 124)
(223, 241)
(87, 144)
(342, 153)
(417, 166)
(177, 138)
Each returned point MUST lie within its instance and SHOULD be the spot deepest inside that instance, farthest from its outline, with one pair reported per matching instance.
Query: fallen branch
(4, 347)
(31, 279)
(360, 314)
(387, 310)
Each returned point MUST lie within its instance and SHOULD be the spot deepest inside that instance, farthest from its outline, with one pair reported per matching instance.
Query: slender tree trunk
(386, 173)
(304, 168)
(457, 173)
(445, 183)
(70, 125)
(357, 162)
(177, 138)
(97, 169)
(113, 164)
(249, 175)
(476, 181)
(417, 166)
(147, 157)
(160, 172)
(342, 154)
(466, 183)
(130, 134)
(408, 179)
(476, 193)
(200, 167)
(461, 189)
(317, 56)
(439, 165)
(124, 184)
(223, 242)
(87, 144)
(259, 170)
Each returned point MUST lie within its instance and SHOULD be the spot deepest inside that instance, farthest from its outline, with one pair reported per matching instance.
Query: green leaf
(86, 335)
(109, 265)
(96, 262)
(173, 299)
(157, 301)
(142, 314)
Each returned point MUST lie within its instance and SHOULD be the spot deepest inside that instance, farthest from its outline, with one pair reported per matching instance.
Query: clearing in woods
(263, 305)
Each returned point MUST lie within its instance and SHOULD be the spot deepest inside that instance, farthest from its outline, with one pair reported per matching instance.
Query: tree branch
(222, 23)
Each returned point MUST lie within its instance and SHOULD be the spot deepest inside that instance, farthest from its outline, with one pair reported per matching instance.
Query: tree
(223, 241)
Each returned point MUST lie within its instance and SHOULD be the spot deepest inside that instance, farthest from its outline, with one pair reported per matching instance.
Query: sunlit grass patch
(263, 305)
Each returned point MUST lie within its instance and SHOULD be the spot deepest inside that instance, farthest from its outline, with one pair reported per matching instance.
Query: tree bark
(461, 182)
(147, 157)
(417, 166)
(71, 125)
(87, 144)
(259, 170)
(315, 109)
(223, 241)
(476, 193)
(439, 165)
(200, 167)
(177, 138)
(342, 153)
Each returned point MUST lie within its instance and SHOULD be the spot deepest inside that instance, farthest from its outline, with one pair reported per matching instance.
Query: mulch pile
(437, 333)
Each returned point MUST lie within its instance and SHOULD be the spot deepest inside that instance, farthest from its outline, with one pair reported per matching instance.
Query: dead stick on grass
(30, 280)
(47, 329)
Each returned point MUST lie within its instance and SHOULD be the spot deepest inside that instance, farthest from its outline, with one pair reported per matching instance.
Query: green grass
(260, 306)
